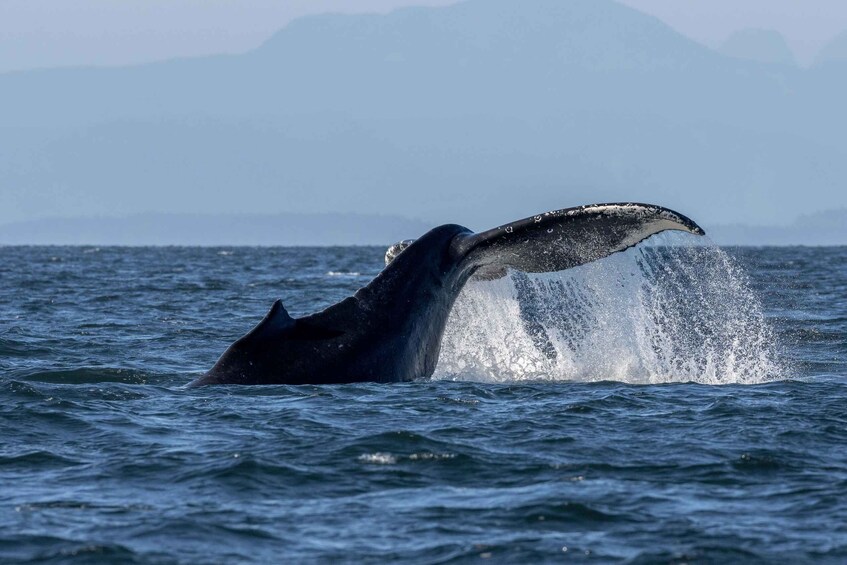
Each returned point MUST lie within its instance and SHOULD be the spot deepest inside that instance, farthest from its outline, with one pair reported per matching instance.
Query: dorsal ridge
(276, 321)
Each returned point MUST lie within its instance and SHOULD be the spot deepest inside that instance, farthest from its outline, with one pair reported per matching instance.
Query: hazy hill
(823, 228)
(219, 229)
(477, 113)
(834, 51)
(762, 45)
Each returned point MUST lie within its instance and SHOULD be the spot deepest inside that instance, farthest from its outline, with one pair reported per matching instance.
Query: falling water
(669, 311)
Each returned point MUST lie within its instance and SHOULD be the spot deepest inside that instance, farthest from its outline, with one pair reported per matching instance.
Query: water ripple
(106, 456)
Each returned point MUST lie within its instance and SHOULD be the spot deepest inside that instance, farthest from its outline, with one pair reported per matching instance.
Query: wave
(85, 375)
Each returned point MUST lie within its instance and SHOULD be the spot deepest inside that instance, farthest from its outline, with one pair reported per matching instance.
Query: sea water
(674, 403)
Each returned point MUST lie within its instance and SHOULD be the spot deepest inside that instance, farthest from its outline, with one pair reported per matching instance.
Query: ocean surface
(672, 404)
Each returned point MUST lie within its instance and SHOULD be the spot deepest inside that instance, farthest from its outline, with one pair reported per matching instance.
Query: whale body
(391, 329)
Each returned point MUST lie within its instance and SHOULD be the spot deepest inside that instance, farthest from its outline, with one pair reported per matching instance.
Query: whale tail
(392, 328)
(561, 239)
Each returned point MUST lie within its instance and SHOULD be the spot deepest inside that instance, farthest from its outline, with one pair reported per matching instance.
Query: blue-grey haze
(834, 51)
(807, 26)
(476, 113)
(51, 33)
(765, 46)
(215, 229)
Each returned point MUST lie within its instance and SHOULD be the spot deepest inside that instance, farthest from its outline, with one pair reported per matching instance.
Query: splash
(668, 311)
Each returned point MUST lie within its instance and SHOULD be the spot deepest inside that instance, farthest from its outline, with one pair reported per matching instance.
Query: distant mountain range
(834, 51)
(764, 46)
(824, 228)
(476, 113)
(828, 228)
(221, 229)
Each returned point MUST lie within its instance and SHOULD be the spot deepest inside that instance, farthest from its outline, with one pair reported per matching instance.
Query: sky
(50, 33)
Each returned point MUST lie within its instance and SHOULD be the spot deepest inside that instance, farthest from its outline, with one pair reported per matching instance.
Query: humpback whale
(391, 329)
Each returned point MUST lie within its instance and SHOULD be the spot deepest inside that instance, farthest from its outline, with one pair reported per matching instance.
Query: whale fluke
(563, 239)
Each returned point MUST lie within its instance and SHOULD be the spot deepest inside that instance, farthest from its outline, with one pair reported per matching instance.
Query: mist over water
(671, 311)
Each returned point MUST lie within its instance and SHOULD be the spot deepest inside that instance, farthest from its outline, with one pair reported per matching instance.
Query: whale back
(389, 330)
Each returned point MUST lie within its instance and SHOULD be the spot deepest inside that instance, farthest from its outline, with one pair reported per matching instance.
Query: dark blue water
(106, 457)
